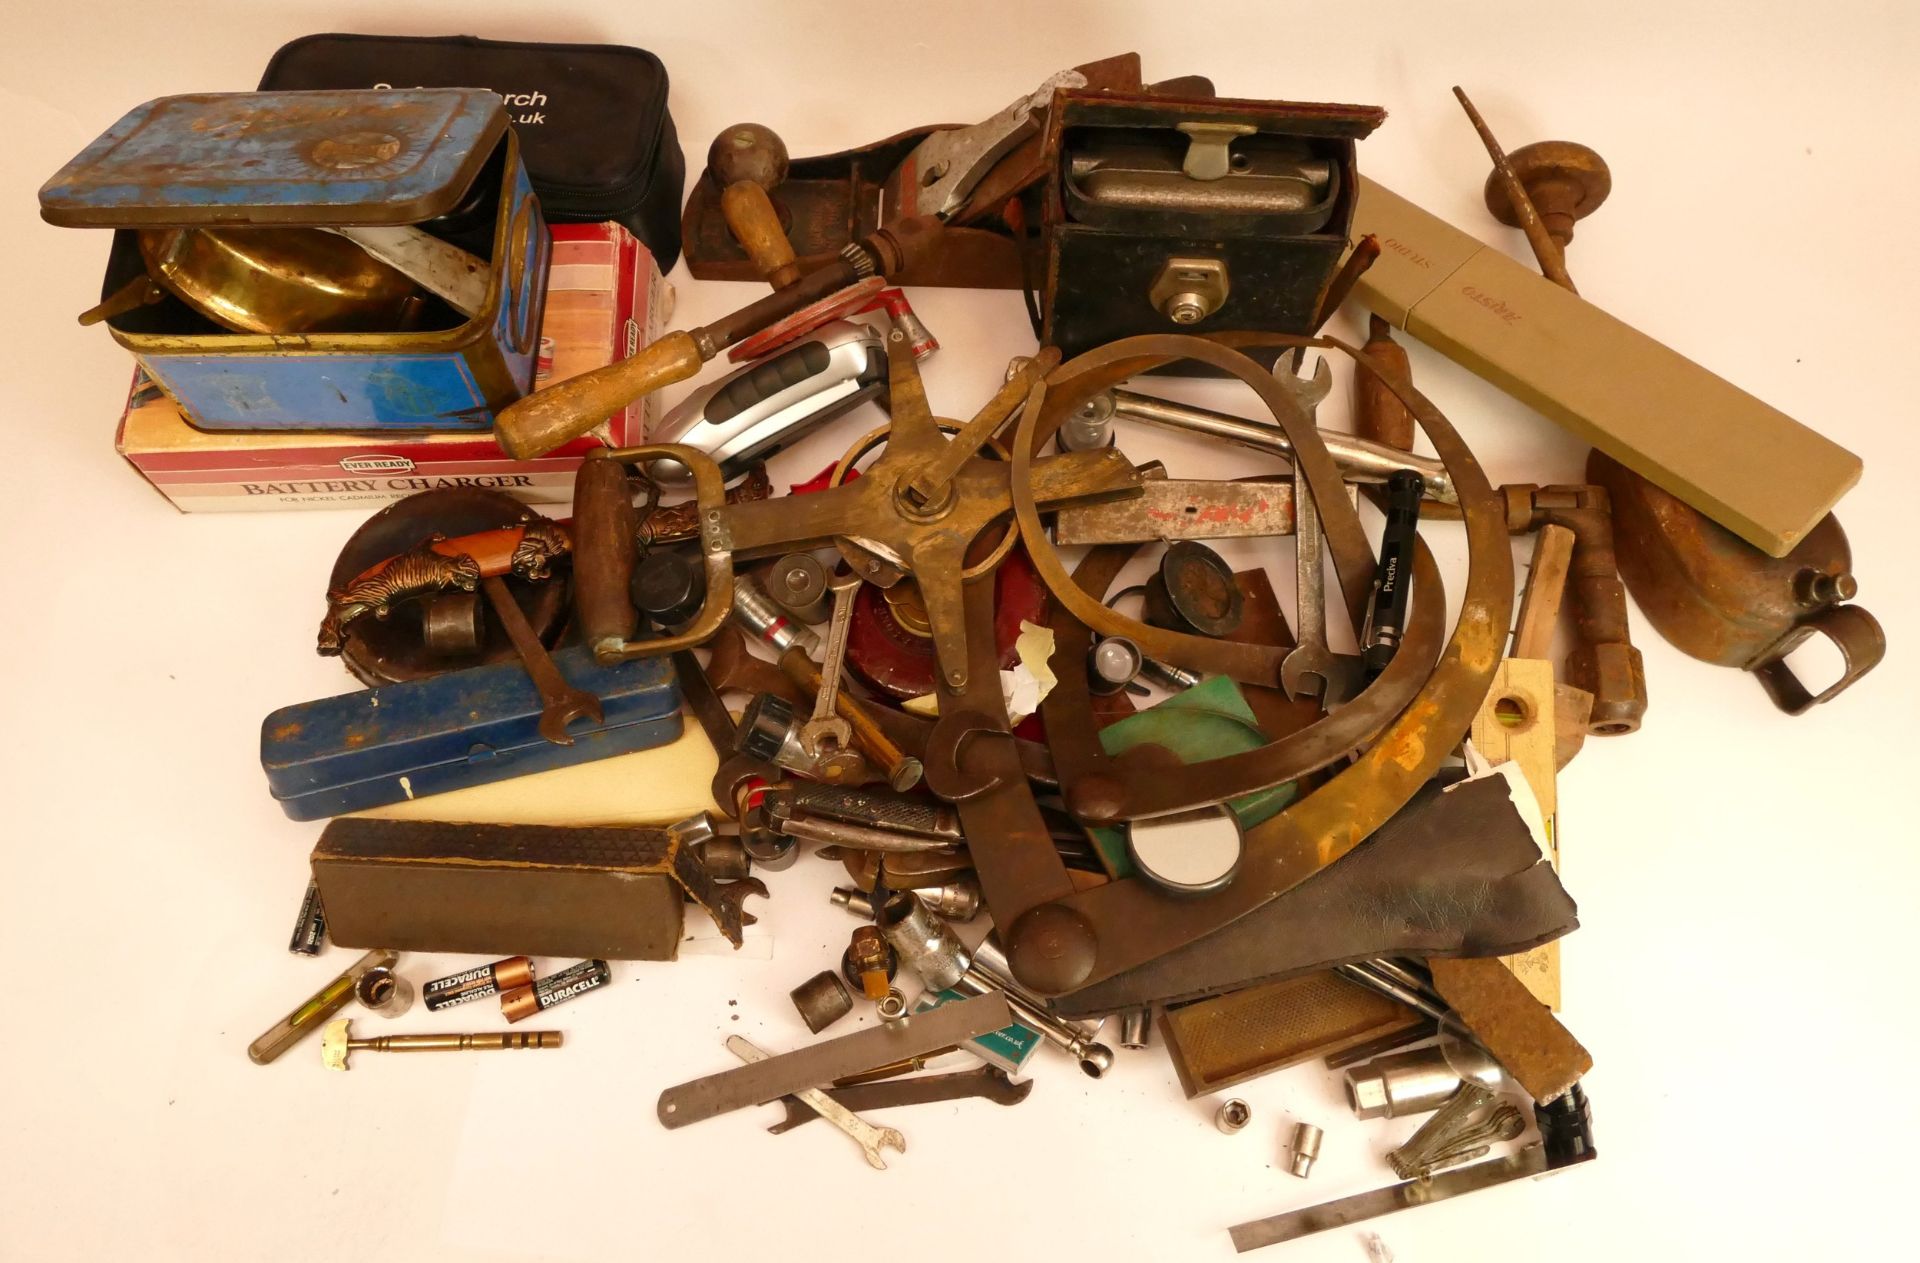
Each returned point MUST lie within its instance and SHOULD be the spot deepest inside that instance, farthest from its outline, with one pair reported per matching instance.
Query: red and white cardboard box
(605, 300)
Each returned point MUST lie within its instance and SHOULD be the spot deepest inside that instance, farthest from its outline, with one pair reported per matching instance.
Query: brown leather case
(1454, 873)
(535, 890)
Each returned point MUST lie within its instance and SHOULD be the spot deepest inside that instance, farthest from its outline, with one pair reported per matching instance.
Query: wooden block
(1516, 724)
(1546, 584)
(1517, 1029)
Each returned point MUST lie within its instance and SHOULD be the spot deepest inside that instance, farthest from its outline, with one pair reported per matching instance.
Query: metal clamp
(605, 525)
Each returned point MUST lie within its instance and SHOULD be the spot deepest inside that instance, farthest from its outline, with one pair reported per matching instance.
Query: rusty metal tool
(561, 703)
(798, 677)
(1545, 249)
(1176, 509)
(1604, 662)
(823, 1062)
(875, 520)
(826, 730)
(338, 1043)
(771, 731)
(1717, 598)
(944, 168)
(732, 896)
(839, 833)
(734, 668)
(894, 813)
(871, 1139)
(1309, 669)
(1365, 253)
(989, 1083)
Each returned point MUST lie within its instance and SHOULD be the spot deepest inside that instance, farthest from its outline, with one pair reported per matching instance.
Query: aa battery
(310, 930)
(478, 983)
(524, 1002)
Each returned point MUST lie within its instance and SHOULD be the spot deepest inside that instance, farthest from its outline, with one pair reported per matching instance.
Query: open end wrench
(989, 1083)
(734, 894)
(827, 730)
(1311, 669)
(949, 163)
(561, 702)
(871, 1139)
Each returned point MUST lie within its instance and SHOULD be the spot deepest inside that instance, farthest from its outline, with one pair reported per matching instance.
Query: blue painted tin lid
(281, 158)
(457, 717)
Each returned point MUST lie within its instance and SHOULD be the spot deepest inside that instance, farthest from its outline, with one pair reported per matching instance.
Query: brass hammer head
(335, 1042)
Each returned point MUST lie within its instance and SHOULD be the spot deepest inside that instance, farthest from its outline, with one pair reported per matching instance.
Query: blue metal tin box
(472, 727)
(442, 159)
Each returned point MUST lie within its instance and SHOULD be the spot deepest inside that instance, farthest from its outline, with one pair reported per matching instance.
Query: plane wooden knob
(746, 161)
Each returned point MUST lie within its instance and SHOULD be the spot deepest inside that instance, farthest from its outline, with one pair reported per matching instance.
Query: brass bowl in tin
(279, 280)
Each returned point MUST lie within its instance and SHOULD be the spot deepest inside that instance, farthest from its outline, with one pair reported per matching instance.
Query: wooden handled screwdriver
(547, 418)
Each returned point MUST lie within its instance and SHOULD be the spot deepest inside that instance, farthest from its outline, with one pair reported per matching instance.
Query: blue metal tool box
(471, 727)
(441, 159)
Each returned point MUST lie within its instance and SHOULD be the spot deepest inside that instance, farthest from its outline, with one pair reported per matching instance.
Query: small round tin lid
(1190, 852)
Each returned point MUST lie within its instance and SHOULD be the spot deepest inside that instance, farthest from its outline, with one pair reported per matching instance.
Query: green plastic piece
(1211, 720)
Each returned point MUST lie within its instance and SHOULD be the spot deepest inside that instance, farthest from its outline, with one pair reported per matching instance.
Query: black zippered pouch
(594, 128)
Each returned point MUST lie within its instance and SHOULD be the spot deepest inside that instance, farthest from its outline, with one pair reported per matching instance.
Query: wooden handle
(603, 523)
(1378, 413)
(1546, 584)
(547, 418)
(756, 225)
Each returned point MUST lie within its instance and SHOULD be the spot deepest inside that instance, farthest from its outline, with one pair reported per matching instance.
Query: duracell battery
(475, 984)
(524, 1002)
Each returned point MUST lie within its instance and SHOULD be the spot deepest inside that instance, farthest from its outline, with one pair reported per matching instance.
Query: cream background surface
(1746, 881)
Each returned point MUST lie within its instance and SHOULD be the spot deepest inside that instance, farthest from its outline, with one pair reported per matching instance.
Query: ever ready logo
(376, 465)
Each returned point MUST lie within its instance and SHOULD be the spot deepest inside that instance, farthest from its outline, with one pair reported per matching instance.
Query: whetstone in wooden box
(533, 890)
(1751, 468)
